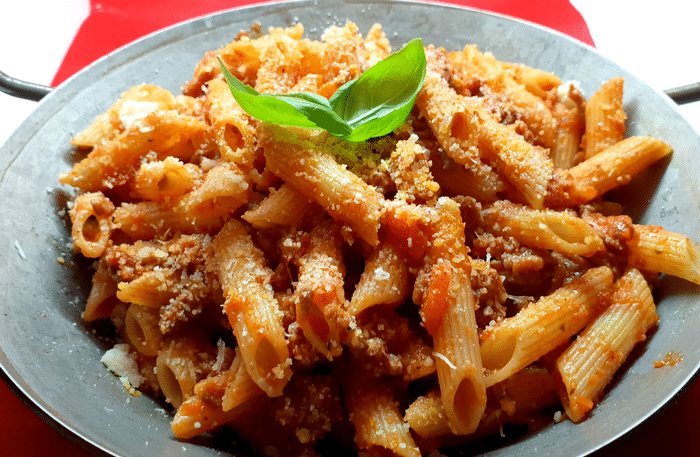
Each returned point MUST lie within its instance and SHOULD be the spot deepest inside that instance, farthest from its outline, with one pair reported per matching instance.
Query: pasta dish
(400, 294)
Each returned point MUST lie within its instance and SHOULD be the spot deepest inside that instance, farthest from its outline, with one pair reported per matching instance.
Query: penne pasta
(242, 57)
(384, 281)
(91, 216)
(415, 290)
(240, 387)
(656, 250)
(605, 117)
(232, 127)
(223, 190)
(426, 416)
(455, 180)
(569, 113)
(102, 298)
(535, 80)
(159, 180)
(317, 176)
(319, 295)
(589, 364)
(196, 416)
(451, 124)
(142, 328)
(114, 162)
(509, 346)
(471, 133)
(607, 170)
(180, 364)
(282, 208)
(379, 424)
(251, 307)
(555, 230)
(447, 309)
(147, 290)
(170, 276)
(530, 108)
(132, 106)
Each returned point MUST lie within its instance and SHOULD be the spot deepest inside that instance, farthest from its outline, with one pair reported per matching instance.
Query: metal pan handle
(684, 94)
(22, 89)
(35, 92)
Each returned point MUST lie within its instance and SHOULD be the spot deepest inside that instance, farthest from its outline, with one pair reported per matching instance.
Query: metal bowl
(52, 358)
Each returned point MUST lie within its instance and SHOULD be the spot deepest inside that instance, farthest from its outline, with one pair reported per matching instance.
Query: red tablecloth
(113, 23)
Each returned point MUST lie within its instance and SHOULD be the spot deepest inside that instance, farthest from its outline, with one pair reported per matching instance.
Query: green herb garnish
(370, 106)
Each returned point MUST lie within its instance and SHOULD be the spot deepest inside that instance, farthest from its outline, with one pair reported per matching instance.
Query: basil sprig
(370, 106)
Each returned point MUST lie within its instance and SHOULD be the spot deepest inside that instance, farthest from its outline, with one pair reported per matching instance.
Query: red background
(113, 23)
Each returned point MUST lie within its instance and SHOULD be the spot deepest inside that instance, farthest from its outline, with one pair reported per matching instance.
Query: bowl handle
(22, 89)
(685, 94)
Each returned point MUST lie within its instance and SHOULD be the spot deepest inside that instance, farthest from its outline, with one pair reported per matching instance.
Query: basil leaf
(307, 110)
(377, 102)
(317, 110)
(370, 106)
(235, 84)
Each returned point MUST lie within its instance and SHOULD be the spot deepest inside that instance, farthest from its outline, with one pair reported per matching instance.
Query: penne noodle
(537, 81)
(114, 162)
(607, 170)
(510, 345)
(446, 116)
(149, 290)
(589, 364)
(196, 416)
(233, 128)
(223, 190)
(282, 208)
(527, 167)
(569, 112)
(280, 66)
(455, 179)
(319, 295)
(142, 329)
(132, 106)
(656, 250)
(317, 176)
(605, 117)
(426, 415)
(384, 281)
(91, 215)
(344, 56)
(180, 364)
(242, 57)
(102, 298)
(456, 352)
(476, 134)
(251, 308)
(447, 309)
(229, 388)
(546, 229)
(531, 109)
(159, 180)
(379, 424)
(240, 387)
